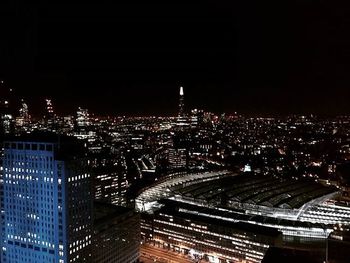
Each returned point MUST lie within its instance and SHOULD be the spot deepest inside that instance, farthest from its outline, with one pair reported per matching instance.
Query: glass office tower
(46, 201)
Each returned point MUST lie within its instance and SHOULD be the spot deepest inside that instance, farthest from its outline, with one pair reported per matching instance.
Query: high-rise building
(182, 120)
(181, 102)
(6, 114)
(6, 122)
(116, 234)
(67, 124)
(82, 118)
(50, 121)
(23, 120)
(196, 117)
(82, 126)
(46, 201)
(109, 177)
(49, 108)
(177, 158)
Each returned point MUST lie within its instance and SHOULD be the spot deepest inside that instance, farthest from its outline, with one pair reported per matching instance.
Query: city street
(154, 254)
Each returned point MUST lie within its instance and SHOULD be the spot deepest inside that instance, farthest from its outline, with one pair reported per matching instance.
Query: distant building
(6, 112)
(6, 123)
(50, 122)
(49, 109)
(116, 234)
(109, 177)
(177, 158)
(82, 127)
(46, 201)
(197, 118)
(67, 124)
(182, 102)
(23, 120)
(83, 120)
(182, 118)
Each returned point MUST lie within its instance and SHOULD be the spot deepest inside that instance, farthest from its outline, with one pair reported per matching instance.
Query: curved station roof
(295, 207)
(260, 190)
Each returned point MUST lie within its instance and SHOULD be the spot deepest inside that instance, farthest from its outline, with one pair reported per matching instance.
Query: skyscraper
(181, 103)
(109, 173)
(50, 116)
(182, 120)
(23, 120)
(82, 119)
(6, 113)
(49, 108)
(46, 201)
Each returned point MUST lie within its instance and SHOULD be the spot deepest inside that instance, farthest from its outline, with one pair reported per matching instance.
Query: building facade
(109, 177)
(116, 234)
(210, 239)
(46, 202)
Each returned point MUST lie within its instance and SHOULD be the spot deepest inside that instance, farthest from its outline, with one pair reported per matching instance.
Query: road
(154, 254)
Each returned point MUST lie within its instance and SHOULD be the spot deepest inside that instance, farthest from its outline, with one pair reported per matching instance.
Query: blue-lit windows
(29, 190)
(35, 188)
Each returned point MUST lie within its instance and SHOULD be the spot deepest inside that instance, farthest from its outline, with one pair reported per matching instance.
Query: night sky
(254, 57)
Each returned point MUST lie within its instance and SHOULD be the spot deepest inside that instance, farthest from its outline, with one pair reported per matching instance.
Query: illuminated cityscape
(174, 132)
(217, 188)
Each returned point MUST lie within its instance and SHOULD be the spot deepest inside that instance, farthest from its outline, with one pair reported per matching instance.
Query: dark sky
(254, 57)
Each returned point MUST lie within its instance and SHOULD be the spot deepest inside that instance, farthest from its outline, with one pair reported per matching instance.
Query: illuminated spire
(181, 91)
(181, 102)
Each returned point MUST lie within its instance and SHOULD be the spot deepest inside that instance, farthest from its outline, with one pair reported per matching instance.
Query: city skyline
(174, 131)
(37, 107)
(131, 58)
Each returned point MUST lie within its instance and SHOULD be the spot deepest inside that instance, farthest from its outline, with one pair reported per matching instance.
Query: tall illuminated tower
(23, 111)
(50, 116)
(182, 118)
(23, 120)
(46, 201)
(181, 103)
(6, 114)
(49, 108)
(82, 119)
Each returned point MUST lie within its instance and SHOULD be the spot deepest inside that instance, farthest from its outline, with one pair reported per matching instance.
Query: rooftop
(64, 146)
(254, 189)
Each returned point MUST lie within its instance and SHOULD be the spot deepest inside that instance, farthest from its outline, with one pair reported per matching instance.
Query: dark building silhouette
(338, 247)
(116, 234)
